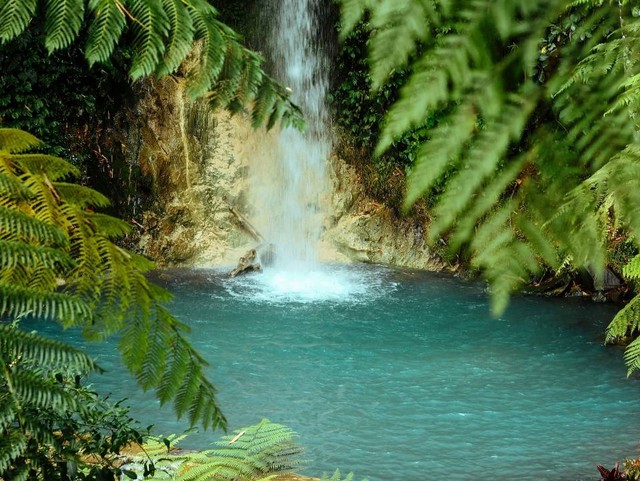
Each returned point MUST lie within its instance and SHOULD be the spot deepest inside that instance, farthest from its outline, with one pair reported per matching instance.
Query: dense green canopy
(537, 148)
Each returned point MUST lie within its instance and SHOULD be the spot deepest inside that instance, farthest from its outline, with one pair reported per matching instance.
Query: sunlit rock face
(202, 167)
(195, 161)
(220, 188)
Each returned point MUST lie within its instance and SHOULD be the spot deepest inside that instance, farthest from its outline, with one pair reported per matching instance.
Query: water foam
(325, 283)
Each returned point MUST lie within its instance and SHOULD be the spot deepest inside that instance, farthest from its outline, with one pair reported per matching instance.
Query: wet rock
(246, 264)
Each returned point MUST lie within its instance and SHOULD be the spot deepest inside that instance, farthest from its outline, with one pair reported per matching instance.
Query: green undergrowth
(259, 452)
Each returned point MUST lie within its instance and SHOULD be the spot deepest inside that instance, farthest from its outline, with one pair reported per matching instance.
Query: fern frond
(177, 362)
(181, 35)
(631, 270)
(264, 104)
(625, 323)
(80, 195)
(19, 301)
(15, 141)
(15, 253)
(231, 77)
(112, 228)
(53, 354)
(105, 29)
(16, 225)
(251, 79)
(54, 168)
(11, 188)
(159, 356)
(632, 356)
(481, 162)
(33, 389)
(208, 31)
(482, 204)
(445, 147)
(150, 27)
(15, 15)
(12, 446)
(397, 31)
(63, 19)
(254, 452)
(351, 13)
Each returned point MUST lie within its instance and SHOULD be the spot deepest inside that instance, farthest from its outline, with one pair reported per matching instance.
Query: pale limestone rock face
(195, 159)
(365, 231)
(199, 162)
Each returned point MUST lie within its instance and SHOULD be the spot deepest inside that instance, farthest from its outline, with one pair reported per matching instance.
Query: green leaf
(105, 29)
(15, 141)
(150, 27)
(15, 15)
(181, 35)
(63, 19)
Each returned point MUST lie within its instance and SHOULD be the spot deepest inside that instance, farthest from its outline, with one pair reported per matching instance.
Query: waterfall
(291, 186)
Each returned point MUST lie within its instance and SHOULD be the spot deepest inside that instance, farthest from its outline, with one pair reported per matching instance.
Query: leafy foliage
(162, 34)
(59, 99)
(614, 474)
(523, 118)
(360, 114)
(50, 424)
(253, 453)
(337, 477)
(59, 263)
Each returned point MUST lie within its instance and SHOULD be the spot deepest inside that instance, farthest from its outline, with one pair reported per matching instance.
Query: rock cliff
(198, 163)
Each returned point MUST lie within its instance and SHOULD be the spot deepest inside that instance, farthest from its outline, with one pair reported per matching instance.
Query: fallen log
(246, 264)
(246, 225)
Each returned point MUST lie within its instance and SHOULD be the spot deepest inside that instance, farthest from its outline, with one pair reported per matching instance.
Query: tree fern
(210, 35)
(252, 453)
(62, 23)
(27, 362)
(104, 30)
(536, 151)
(150, 26)
(15, 16)
(181, 35)
(163, 33)
(59, 262)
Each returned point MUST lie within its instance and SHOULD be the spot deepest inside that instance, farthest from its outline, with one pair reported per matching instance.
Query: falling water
(292, 186)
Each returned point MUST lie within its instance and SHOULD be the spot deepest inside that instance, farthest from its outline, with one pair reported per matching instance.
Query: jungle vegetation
(58, 258)
(520, 124)
(528, 121)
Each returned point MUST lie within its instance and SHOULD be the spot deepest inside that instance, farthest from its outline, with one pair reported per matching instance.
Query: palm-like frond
(62, 23)
(27, 363)
(209, 32)
(58, 262)
(15, 141)
(181, 35)
(536, 149)
(44, 352)
(164, 32)
(251, 453)
(14, 17)
(104, 30)
(150, 26)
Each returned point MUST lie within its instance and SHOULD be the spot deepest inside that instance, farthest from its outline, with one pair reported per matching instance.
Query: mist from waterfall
(291, 184)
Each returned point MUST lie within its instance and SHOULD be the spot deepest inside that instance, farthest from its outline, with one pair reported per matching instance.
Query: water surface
(405, 375)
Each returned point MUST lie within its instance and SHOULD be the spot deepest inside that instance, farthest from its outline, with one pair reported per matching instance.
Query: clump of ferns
(254, 453)
(336, 476)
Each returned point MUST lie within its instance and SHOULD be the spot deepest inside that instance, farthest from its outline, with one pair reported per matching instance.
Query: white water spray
(292, 185)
